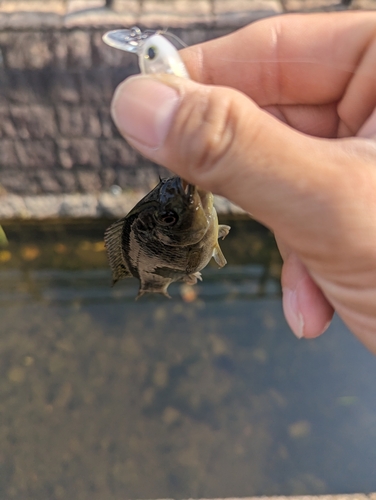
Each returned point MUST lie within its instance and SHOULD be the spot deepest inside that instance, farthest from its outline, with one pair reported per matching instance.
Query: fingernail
(368, 130)
(143, 109)
(293, 315)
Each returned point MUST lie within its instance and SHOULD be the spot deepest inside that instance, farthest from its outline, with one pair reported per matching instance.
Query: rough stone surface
(132, 6)
(36, 154)
(117, 152)
(179, 13)
(57, 6)
(246, 12)
(78, 121)
(355, 496)
(34, 121)
(8, 154)
(7, 127)
(79, 152)
(79, 49)
(27, 50)
(312, 5)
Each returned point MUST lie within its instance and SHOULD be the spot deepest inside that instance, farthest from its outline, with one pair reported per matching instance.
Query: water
(102, 397)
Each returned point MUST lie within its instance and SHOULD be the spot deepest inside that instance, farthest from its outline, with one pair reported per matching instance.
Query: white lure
(155, 53)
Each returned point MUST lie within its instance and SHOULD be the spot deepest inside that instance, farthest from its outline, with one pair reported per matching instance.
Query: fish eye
(169, 218)
(152, 53)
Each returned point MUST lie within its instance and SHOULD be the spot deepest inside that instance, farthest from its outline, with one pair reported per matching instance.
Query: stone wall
(56, 134)
(57, 78)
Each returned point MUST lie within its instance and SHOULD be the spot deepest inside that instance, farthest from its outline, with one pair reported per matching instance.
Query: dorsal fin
(112, 241)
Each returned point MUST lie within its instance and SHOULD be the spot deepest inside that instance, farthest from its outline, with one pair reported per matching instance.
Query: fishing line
(174, 37)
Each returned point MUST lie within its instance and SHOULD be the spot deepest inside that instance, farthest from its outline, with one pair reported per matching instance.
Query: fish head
(183, 214)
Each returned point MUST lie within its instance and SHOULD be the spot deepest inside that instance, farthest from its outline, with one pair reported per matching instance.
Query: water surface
(205, 395)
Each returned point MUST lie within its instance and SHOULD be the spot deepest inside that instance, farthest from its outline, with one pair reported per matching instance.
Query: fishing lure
(155, 53)
(172, 233)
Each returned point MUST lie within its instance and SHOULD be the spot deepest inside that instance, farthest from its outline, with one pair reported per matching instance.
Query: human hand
(281, 120)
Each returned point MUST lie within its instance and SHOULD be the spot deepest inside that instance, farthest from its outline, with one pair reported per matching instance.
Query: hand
(281, 120)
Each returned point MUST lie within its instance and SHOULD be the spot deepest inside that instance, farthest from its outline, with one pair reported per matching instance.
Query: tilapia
(170, 235)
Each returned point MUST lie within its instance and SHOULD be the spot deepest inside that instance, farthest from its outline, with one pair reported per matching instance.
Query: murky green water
(102, 397)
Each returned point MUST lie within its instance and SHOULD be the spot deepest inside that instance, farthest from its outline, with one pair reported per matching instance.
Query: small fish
(170, 235)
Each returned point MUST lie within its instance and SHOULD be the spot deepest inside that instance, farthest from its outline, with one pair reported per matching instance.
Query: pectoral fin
(112, 240)
(223, 231)
(218, 256)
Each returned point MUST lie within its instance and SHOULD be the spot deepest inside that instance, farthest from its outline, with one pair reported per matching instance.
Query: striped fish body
(170, 235)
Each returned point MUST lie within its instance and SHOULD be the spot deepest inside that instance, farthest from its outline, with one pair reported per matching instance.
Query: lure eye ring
(169, 218)
(151, 53)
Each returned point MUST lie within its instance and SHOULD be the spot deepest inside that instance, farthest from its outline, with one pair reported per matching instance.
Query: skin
(280, 119)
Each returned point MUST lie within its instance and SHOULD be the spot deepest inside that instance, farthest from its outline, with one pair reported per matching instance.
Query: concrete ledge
(241, 12)
(83, 205)
(353, 496)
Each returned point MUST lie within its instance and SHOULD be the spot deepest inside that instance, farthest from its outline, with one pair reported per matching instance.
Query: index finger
(290, 59)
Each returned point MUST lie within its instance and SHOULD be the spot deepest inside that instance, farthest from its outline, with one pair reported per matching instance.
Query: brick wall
(56, 134)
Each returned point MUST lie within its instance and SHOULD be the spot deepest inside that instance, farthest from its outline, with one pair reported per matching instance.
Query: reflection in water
(102, 397)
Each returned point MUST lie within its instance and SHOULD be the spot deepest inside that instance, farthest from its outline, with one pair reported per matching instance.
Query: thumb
(221, 140)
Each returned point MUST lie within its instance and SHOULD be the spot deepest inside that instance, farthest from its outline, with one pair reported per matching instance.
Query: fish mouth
(187, 192)
(191, 190)
(188, 189)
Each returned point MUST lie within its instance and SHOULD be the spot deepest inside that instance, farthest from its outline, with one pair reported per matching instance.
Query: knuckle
(205, 133)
